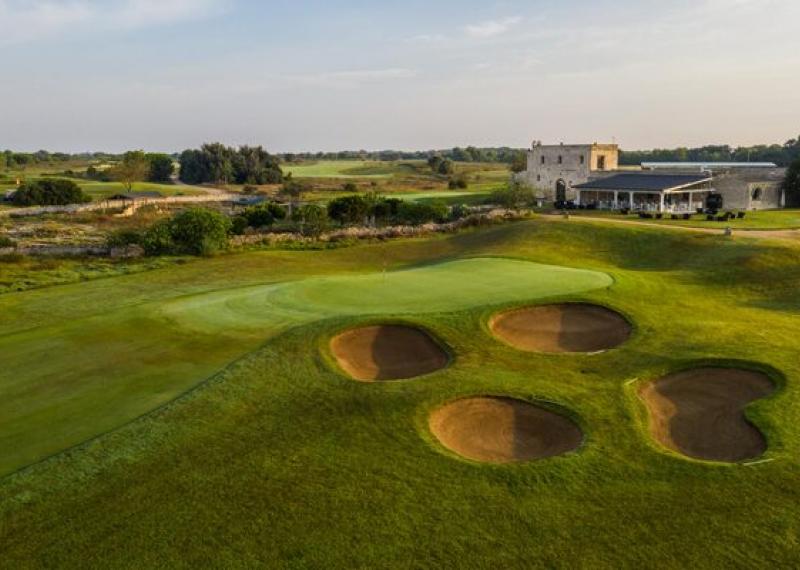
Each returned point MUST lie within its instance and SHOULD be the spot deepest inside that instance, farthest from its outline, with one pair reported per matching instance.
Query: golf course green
(195, 415)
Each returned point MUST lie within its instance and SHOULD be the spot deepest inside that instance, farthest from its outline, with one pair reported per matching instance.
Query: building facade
(553, 170)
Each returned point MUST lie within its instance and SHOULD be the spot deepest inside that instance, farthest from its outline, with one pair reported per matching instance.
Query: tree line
(782, 155)
(220, 164)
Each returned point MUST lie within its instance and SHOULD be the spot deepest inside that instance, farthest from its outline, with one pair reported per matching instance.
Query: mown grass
(758, 220)
(281, 461)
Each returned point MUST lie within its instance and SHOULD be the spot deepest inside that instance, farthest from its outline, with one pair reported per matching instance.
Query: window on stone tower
(583, 159)
(560, 159)
(542, 159)
(601, 163)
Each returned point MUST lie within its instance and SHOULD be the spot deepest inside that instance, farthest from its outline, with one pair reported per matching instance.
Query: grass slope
(155, 352)
(281, 461)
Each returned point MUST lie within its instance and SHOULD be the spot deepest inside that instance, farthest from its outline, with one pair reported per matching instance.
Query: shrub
(349, 209)
(157, 240)
(459, 211)
(199, 231)
(264, 215)
(122, 238)
(513, 197)
(49, 192)
(458, 182)
(238, 225)
(313, 219)
(350, 187)
(6, 241)
(414, 213)
(386, 208)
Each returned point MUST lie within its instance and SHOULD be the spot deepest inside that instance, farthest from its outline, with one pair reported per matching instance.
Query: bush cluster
(49, 192)
(196, 231)
(362, 209)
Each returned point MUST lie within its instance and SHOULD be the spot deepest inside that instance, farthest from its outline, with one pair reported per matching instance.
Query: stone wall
(750, 189)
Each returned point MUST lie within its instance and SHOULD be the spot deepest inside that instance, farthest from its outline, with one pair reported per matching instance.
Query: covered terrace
(674, 193)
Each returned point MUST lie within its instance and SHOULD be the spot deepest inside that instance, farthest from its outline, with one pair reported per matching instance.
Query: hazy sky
(350, 74)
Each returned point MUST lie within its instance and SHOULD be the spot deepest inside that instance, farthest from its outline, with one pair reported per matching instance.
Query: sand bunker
(700, 412)
(502, 430)
(561, 328)
(388, 352)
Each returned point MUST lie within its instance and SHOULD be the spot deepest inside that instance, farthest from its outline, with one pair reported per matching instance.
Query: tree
(161, 167)
(194, 167)
(49, 192)
(791, 184)
(434, 162)
(134, 167)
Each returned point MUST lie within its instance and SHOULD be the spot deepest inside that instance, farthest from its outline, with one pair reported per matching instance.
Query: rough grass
(281, 461)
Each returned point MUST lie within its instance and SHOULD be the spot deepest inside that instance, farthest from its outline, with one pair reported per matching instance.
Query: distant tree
(161, 167)
(194, 167)
(293, 190)
(458, 182)
(446, 167)
(350, 187)
(49, 192)
(254, 165)
(134, 167)
(434, 162)
(219, 159)
(520, 161)
(791, 184)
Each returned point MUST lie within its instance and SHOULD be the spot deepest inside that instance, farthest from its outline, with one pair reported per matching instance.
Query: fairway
(158, 351)
(344, 169)
(213, 422)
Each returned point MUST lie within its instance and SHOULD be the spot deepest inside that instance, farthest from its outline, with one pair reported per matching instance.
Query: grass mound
(561, 328)
(503, 430)
(387, 352)
(700, 412)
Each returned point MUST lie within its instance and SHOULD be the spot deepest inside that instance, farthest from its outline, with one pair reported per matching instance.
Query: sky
(308, 75)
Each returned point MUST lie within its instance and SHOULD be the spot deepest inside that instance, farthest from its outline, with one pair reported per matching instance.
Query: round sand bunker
(700, 412)
(570, 327)
(503, 430)
(388, 352)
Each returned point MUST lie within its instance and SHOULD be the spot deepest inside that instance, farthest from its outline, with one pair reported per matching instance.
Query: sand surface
(561, 328)
(503, 430)
(700, 412)
(387, 352)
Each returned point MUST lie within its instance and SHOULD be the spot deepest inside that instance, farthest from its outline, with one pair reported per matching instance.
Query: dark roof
(636, 181)
(137, 195)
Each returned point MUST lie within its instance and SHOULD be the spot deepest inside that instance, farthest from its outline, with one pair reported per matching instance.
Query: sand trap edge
(642, 414)
(423, 414)
(490, 316)
(326, 350)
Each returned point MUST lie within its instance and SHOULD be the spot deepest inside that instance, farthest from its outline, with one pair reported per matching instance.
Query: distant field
(347, 169)
(102, 190)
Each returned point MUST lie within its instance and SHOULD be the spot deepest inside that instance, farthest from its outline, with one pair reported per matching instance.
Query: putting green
(69, 382)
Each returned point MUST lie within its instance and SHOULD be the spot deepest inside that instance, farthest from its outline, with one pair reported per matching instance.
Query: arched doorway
(561, 191)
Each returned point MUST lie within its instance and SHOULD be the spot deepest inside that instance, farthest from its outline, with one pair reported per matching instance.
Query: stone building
(553, 170)
(564, 174)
